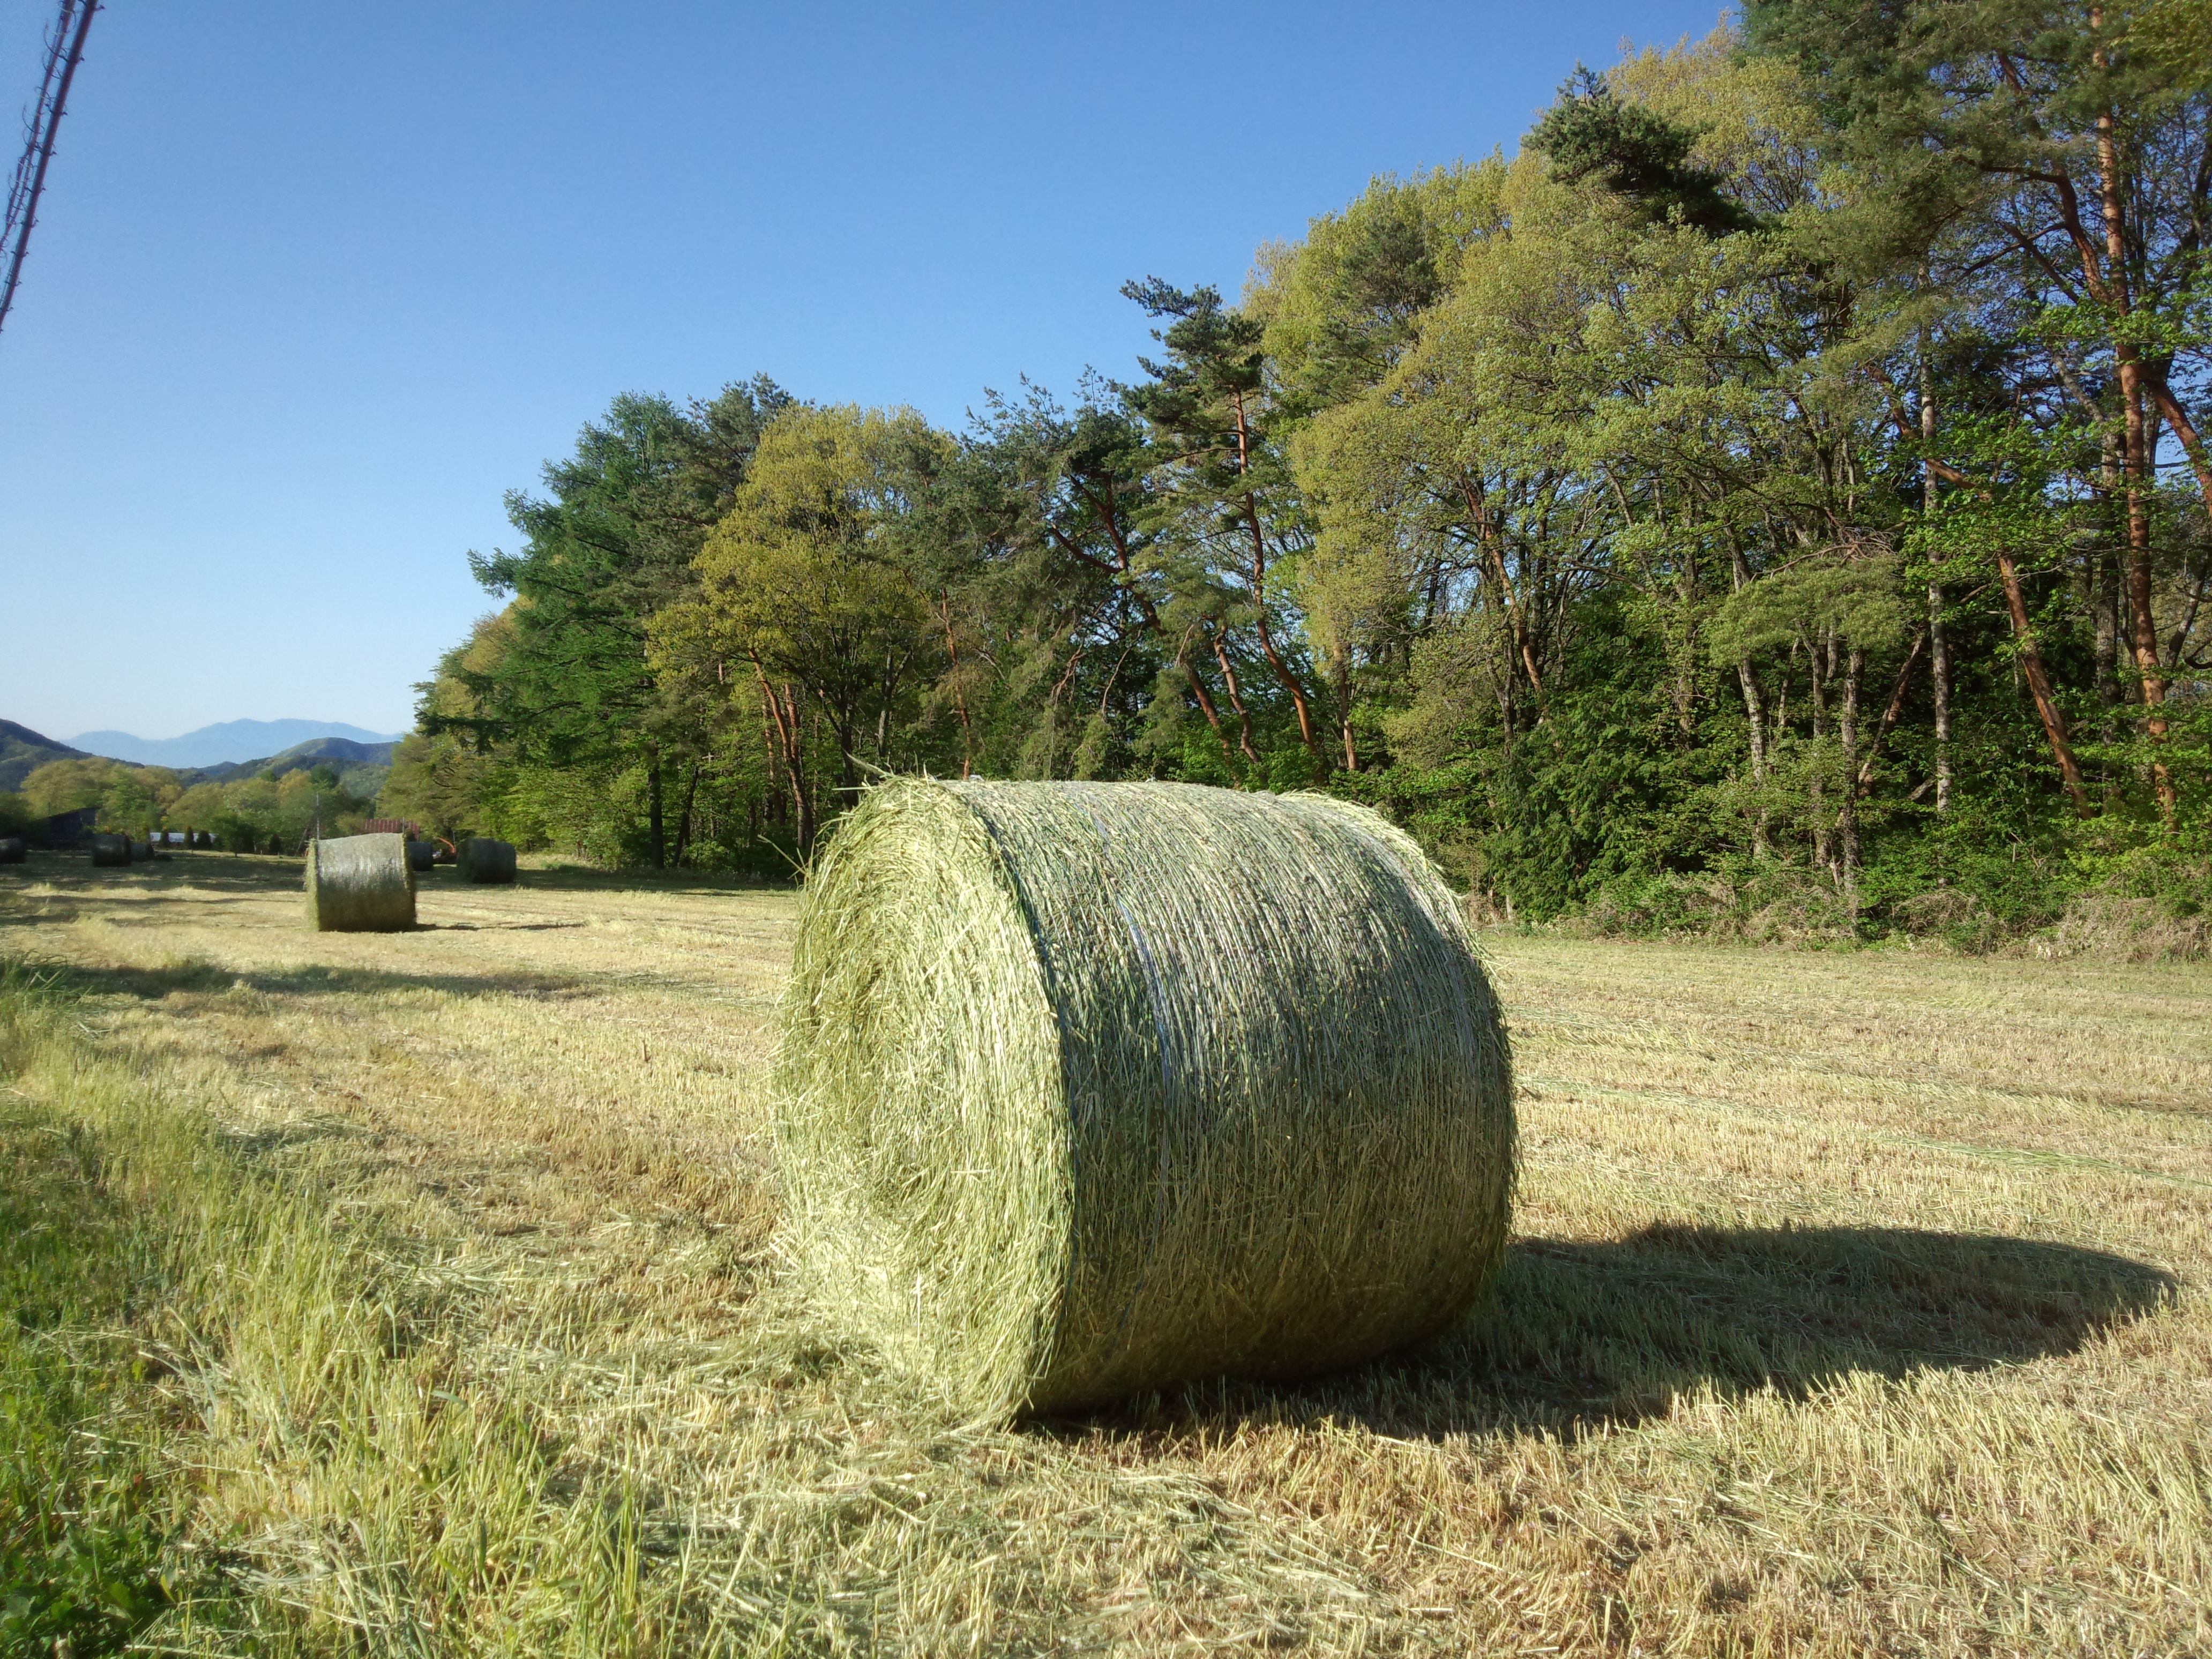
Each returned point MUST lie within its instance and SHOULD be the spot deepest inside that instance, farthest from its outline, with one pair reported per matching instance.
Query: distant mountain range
(228, 744)
(340, 753)
(23, 752)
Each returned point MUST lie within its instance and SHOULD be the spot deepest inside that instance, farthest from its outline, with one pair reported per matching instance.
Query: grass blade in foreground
(315, 1436)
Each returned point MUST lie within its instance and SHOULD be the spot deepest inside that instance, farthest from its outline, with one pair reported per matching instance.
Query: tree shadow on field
(572, 878)
(1581, 1335)
(191, 978)
(493, 927)
(243, 873)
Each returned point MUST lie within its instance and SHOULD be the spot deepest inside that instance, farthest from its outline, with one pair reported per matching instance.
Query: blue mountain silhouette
(217, 745)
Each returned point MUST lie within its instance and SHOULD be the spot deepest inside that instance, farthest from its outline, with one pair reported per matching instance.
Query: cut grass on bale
(1858, 1304)
(360, 884)
(1056, 1121)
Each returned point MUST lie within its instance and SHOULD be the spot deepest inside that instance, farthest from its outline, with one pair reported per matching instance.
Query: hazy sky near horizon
(312, 286)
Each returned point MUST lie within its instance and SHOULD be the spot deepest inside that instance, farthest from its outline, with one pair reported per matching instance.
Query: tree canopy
(1777, 489)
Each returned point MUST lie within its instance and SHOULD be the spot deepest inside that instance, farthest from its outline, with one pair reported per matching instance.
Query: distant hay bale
(11, 850)
(480, 859)
(360, 884)
(422, 855)
(1086, 1089)
(111, 851)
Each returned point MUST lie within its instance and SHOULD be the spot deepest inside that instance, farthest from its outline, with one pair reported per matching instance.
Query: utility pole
(65, 52)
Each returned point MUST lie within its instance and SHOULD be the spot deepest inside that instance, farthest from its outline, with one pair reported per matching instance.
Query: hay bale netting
(111, 851)
(422, 855)
(360, 884)
(481, 859)
(11, 850)
(1086, 1089)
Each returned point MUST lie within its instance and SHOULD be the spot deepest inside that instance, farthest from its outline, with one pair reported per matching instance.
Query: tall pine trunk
(2039, 685)
(684, 817)
(1847, 821)
(1815, 794)
(2107, 580)
(1754, 711)
(2135, 454)
(1939, 640)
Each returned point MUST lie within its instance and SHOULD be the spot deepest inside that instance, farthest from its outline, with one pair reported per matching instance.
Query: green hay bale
(360, 884)
(1086, 1089)
(11, 850)
(480, 859)
(111, 851)
(422, 855)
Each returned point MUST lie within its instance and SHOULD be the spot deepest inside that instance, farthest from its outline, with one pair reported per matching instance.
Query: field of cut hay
(419, 1293)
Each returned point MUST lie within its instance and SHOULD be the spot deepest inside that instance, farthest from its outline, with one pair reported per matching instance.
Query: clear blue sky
(314, 285)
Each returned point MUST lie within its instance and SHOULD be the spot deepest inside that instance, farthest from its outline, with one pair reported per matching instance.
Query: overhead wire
(65, 52)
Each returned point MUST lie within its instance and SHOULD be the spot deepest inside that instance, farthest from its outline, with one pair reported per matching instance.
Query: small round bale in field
(480, 859)
(11, 850)
(360, 884)
(422, 855)
(1086, 1089)
(111, 851)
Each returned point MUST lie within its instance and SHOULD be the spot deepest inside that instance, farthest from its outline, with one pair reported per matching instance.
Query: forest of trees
(1777, 497)
(269, 812)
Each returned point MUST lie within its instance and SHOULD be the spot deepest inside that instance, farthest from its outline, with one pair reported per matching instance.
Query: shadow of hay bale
(1586, 1334)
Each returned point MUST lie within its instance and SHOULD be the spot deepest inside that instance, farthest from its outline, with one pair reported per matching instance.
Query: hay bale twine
(11, 850)
(1086, 1089)
(421, 855)
(111, 851)
(480, 859)
(360, 884)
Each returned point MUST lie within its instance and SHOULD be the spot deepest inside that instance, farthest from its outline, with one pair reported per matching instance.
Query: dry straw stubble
(1086, 1089)
(360, 884)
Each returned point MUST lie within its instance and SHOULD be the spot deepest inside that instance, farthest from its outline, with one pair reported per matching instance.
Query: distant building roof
(71, 828)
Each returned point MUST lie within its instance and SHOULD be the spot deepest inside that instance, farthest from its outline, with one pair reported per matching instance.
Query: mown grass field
(419, 1294)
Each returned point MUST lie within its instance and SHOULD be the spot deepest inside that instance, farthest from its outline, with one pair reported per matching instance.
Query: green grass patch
(228, 1424)
(85, 1520)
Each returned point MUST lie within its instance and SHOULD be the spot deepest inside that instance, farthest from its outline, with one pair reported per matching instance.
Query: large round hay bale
(1086, 1089)
(360, 884)
(421, 855)
(480, 859)
(111, 851)
(11, 850)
